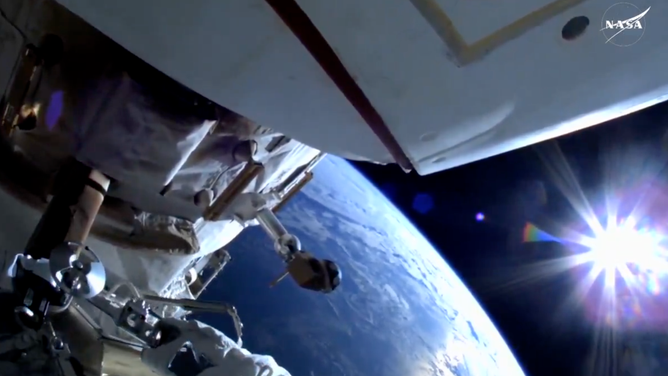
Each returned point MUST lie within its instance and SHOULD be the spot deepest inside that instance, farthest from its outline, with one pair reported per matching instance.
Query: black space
(548, 336)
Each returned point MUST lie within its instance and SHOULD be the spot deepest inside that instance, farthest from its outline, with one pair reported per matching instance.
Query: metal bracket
(77, 270)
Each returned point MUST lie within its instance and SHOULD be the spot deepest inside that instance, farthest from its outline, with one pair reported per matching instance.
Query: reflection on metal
(27, 70)
(122, 360)
(90, 201)
(276, 143)
(199, 306)
(295, 176)
(191, 276)
(293, 191)
(271, 224)
(193, 305)
(236, 187)
(77, 270)
(296, 181)
(464, 53)
(216, 264)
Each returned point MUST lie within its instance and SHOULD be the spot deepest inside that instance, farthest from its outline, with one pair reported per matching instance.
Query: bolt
(58, 344)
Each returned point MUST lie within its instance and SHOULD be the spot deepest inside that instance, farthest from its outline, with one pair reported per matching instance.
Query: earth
(400, 310)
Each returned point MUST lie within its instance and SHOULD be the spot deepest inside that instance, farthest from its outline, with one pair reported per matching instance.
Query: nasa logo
(623, 24)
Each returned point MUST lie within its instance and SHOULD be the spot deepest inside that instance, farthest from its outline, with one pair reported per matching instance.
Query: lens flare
(615, 244)
(626, 267)
(618, 248)
(622, 246)
(531, 234)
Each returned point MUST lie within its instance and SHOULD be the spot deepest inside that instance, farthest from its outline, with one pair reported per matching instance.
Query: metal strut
(77, 197)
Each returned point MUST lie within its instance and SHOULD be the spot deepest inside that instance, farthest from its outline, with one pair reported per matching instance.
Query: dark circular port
(574, 28)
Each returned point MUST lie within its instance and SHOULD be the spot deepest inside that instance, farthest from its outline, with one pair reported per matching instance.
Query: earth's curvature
(400, 311)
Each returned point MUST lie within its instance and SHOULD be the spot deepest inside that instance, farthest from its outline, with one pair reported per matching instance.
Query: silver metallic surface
(194, 305)
(133, 318)
(77, 270)
(217, 263)
(270, 223)
(39, 267)
(285, 244)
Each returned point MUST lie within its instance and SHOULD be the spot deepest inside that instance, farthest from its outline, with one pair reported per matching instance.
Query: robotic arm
(81, 276)
(57, 267)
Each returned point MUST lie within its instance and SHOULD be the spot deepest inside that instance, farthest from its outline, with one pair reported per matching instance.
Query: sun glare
(617, 249)
(623, 244)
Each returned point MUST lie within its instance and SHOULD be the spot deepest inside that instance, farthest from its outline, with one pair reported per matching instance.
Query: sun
(622, 244)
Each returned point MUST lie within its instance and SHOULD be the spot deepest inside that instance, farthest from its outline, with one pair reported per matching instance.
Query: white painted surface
(530, 89)
(477, 19)
(241, 55)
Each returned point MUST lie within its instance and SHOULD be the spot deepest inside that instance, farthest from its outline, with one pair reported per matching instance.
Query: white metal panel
(477, 19)
(531, 88)
(239, 54)
(522, 85)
